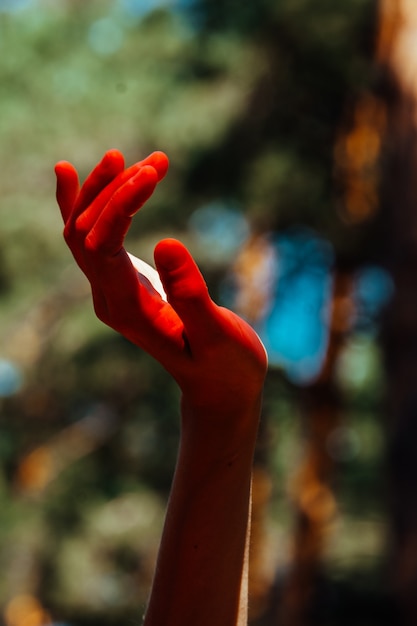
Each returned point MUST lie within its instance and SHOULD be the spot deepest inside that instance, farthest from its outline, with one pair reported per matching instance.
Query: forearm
(201, 574)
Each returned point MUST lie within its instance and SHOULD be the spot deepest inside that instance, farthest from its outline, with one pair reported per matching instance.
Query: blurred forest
(291, 131)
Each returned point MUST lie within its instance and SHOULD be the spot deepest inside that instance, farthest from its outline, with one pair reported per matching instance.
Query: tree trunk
(397, 56)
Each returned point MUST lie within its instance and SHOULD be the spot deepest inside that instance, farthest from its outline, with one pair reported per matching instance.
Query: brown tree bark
(397, 59)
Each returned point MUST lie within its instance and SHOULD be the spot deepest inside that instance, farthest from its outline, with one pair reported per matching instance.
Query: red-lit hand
(209, 350)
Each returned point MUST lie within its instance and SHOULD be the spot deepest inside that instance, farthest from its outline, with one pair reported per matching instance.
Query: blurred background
(291, 131)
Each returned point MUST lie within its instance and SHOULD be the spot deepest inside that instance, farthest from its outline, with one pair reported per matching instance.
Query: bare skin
(220, 365)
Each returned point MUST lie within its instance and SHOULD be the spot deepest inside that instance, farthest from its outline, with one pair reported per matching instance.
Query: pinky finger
(67, 186)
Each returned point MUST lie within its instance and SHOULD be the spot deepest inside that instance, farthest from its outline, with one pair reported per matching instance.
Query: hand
(213, 354)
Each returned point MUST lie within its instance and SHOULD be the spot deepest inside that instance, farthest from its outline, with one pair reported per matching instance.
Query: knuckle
(92, 245)
(95, 245)
(74, 231)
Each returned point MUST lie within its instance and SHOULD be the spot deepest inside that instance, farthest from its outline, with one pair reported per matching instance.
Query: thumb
(185, 287)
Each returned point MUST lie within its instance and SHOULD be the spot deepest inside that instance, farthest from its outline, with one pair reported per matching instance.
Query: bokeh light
(295, 329)
(105, 36)
(11, 378)
(13, 6)
(220, 229)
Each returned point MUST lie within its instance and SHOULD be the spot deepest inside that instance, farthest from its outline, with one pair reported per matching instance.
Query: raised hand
(220, 365)
(208, 349)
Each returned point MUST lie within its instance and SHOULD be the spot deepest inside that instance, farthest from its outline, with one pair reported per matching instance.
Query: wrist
(221, 423)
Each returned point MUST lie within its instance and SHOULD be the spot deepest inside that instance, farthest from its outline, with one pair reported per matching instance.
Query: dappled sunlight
(282, 285)
(358, 153)
(26, 610)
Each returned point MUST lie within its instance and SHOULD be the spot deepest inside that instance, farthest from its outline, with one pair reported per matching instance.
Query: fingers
(108, 232)
(105, 179)
(134, 193)
(104, 173)
(71, 201)
(159, 161)
(67, 186)
(186, 289)
(110, 174)
(87, 218)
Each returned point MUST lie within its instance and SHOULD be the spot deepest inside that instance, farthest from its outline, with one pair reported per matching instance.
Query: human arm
(219, 364)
